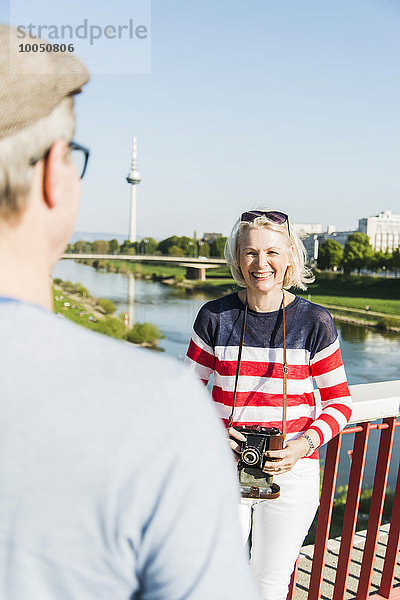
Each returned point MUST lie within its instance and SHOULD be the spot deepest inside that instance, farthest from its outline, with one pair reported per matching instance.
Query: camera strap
(230, 420)
(285, 367)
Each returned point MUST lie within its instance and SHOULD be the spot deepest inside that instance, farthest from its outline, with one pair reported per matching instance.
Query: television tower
(133, 178)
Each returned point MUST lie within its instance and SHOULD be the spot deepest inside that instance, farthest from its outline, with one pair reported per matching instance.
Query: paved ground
(305, 563)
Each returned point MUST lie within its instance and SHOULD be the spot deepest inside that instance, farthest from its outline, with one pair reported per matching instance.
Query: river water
(368, 355)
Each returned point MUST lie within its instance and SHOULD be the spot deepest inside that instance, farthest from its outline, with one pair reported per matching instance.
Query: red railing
(358, 454)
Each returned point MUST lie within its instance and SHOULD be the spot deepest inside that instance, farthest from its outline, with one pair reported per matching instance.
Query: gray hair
(18, 150)
(298, 274)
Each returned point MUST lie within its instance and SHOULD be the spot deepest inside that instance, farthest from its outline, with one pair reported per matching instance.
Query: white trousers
(278, 527)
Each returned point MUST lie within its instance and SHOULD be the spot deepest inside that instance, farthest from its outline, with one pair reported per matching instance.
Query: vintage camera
(254, 483)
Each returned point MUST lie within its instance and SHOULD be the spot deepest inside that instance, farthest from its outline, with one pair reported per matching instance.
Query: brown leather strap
(256, 492)
(230, 420)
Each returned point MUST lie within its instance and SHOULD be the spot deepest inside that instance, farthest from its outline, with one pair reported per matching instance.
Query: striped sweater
(313, 355)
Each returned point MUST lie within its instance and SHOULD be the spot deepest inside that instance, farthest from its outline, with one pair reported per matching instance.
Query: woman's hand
(233, 433)
(293, 451)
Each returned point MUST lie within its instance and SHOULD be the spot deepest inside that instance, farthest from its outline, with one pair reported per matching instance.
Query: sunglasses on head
(272, 215)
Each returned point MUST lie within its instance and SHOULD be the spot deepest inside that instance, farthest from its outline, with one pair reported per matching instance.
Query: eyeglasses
(273, 215)
(79, 155)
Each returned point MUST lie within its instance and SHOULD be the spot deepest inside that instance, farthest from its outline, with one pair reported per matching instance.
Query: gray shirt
(116, 478)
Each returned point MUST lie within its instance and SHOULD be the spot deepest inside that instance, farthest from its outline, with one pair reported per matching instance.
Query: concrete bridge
(195, 266)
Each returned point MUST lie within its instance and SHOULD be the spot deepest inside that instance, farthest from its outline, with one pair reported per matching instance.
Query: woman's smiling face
(264, 258)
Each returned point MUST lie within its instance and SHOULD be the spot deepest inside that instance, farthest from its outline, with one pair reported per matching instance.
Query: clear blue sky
(291, 103)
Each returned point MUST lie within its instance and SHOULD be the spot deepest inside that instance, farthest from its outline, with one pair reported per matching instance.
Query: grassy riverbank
(74, 302)
(379, 294)
(142, 270)
(368, 301)
(362, 300)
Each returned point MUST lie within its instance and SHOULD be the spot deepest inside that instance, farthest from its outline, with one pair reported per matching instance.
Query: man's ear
(52, 173)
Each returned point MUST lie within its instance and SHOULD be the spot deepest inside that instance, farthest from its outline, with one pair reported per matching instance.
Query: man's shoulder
(102, 378)
(67, 345)
(54, 328)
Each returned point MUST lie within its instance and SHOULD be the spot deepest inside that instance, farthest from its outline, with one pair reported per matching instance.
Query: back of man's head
(36, 109)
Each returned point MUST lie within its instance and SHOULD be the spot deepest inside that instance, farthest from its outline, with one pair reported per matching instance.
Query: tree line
(357, 254)
(171, 246)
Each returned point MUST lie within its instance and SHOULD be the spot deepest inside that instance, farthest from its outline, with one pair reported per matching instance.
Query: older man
(116, 482)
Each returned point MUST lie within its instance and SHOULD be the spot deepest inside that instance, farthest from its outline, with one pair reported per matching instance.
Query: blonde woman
(271, 324)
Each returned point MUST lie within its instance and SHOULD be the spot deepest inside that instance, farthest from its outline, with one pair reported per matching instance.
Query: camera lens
(250, 456)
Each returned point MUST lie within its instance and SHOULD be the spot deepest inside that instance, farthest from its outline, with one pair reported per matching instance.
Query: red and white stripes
(260, 386)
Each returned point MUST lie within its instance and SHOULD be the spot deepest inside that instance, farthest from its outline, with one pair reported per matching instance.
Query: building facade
(383, 230)
(313, 242)
(305, 229)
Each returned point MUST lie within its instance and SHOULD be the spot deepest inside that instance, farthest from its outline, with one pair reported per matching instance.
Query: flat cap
(32, 84)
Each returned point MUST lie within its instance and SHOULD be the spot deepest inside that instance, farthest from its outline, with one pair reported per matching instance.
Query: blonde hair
(298, 274)
(18, 150)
